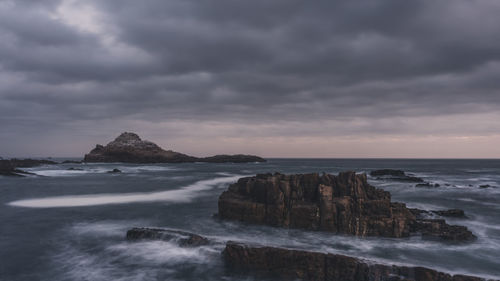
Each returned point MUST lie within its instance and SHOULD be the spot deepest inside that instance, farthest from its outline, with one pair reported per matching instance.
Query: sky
(281, 78)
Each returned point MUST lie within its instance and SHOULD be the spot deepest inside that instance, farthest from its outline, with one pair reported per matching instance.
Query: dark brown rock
(344, 204)
(289, 264)
(183, 238)
(439, 229)
(421, 214)
(456, 213)
(130, 148)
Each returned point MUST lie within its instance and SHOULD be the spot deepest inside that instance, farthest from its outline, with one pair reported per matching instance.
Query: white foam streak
(184, 194)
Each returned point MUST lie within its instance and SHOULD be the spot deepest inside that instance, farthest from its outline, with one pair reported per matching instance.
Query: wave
(184, 194)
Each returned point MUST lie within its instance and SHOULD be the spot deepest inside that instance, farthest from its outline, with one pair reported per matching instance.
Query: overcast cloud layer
(277, 78)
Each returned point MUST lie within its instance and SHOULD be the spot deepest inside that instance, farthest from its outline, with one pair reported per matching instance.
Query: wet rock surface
(130, 148)
(286, 264)
(397, 175)
(344, 204)
(183, 238)
(454, 213)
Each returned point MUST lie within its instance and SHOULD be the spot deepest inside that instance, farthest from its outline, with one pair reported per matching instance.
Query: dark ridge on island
(287, 264)
(343, 204)
(130, 148)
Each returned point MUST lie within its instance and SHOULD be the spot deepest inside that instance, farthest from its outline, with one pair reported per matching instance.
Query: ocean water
(71, 225)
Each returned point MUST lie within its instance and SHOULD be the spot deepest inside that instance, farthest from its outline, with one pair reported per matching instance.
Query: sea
(63, 224)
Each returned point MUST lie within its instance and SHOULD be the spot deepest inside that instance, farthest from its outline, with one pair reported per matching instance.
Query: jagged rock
(439, 229)
(114, 171)
(457, 213)
(183, 238)
(344, 204)
(287, 264)
(130, 148)
(397, 175)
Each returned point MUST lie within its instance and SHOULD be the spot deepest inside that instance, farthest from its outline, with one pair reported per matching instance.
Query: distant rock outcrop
(130, 148)
(397, 175)
(344, 204)
(286, 264)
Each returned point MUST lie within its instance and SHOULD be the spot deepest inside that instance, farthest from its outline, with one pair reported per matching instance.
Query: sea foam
(184, 194)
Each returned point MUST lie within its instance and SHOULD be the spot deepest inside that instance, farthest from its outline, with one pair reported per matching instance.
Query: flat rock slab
(183, 238)
(286, 264)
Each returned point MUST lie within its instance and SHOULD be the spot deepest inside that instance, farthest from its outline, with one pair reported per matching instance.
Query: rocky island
(344, 204)
(130, 148)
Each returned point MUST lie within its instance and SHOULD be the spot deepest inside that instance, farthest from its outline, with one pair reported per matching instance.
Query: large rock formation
(286, 264)
(129, 148)
(344, 204)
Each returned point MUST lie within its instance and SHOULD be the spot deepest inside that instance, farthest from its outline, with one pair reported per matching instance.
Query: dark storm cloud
(250, 62)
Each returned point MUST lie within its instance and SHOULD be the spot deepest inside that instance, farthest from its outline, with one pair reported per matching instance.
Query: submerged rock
(114, 171)
(130, 148)
(287, 264)
(397, 175)
(74, 169)
(183, 238)
(427, 184)
(344, 204)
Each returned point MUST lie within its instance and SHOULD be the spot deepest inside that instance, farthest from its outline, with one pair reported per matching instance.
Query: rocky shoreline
(10, 167)
(130, 148)
(291, 264)
(288, 264)
(343, 204)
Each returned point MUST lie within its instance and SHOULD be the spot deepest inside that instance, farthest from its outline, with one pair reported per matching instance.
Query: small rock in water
(485, 186)
(74, 169)
(427, 184)
(114, 171)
